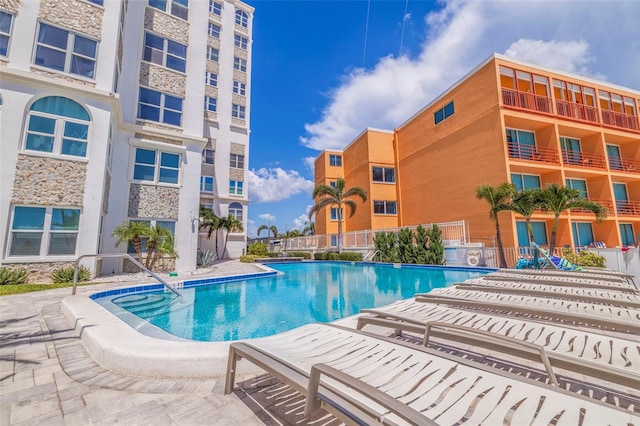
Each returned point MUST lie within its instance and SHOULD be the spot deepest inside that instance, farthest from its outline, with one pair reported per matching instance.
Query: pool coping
(117, 346)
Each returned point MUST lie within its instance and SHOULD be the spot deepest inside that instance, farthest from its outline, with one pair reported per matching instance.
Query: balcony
(582, 159)
(624, 164)
(524, 100)
(608, 204)
(628, 208)
(533, 153)
(620, 119)
(577, 111)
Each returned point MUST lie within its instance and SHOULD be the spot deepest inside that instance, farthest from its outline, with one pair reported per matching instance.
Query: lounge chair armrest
(400, 409)
(527, 346)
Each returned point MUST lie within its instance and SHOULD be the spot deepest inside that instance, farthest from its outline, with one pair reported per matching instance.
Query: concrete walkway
(47, 377)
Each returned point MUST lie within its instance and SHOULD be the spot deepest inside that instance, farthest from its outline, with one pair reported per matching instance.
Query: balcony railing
(608, 204)
(577, 111)
(624, 164)
(628, 208)
(620, 119)
(583, 159)
(533, 153)
(525, 100)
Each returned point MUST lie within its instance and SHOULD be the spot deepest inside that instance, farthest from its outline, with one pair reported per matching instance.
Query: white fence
(453, 233)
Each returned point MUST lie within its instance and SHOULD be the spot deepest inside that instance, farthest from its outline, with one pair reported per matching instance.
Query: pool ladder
(123, 255)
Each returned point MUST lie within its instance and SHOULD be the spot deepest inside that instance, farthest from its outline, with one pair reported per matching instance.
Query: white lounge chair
(365, 380)
(614, 359)
(603, 285)
(594, 282)
(585, 273)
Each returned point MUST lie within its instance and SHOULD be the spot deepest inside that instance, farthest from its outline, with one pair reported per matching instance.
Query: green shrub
(249, 258)
(13, 276)
(206, 258)
(258, 249)
(318, 256)
(332, 256)
(584, 258)
(65, 275)
(351, 256)
(303, 254)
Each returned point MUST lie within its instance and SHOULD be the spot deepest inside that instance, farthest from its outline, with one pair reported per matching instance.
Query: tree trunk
(536, 256)
(339, 231)
(136, 242)
(552, 241)
(503, 262)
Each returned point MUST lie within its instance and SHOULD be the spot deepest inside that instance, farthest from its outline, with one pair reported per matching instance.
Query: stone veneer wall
(239, 99)
(38, 272)
(211, 91)
(105, 193)
(210, 115)
(241, 29)
(240, 76)
(158, 139)
(46, 181)
(164, 264)
(81, 16)
(236, 148)
(164, 24)
(241, 53)
(213, 42)
(150, 201)
(238, 122)
(162, 79)
(213, 67)
(236, 174)
(207, 170)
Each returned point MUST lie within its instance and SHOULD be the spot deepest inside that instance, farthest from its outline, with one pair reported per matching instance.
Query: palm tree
(309, 229)
(210, 222)
(132, 232)
(271, 229)
(525, 203)
(498, 199)
(160, 243)
(557, 199)
(337, 196)
(229, 224)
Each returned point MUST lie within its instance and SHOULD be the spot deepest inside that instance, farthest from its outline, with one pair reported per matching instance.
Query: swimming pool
(264, 305)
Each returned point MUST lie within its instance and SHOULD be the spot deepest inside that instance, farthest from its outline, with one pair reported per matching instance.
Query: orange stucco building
(505, 121)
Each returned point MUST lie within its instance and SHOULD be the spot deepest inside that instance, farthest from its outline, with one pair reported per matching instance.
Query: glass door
(571, 151)
(621, 197)
(582, 233)
(613, 153)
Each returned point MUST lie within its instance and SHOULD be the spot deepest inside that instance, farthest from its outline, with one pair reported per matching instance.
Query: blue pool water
(304, 293)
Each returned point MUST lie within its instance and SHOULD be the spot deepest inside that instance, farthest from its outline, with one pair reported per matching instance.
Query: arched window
(235, 210)
(57, 125)
(242, 18)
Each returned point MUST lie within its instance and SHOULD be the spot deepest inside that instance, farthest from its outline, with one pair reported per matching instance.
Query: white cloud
(252, 229)
(300, 222)
(459, 37)
(309, 162)
(276, 184)
(268, 217)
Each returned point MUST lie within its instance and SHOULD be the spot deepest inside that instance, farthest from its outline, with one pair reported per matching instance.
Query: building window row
(156, 166)
(236, 161)
(6, 22)
(210, 104)
(522, 181)
(335, 160)
(214, 30)
(443, 113)
(239, 64)
(235, 187)
(211, 78)
(206, 183)
(213, 54)
(242, 18)
(238, 111)
(44, 231)
(160, 107)
(240, 42)
(65, 51)
(383, 174)
(384, 207)
(162, 51)
(177, 8)
(208, 156)
(235, 210)
(239, 88)
(335, 213)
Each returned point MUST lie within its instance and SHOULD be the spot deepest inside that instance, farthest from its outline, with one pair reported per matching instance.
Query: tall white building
(117, 110)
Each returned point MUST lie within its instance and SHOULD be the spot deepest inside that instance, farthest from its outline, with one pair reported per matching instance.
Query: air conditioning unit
(474, 257)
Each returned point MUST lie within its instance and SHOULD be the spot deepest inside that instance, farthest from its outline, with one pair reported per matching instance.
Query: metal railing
(119, 255)
(624, 164)
(533, 153)
(525, 100)
(628, 208)
(583, 159)
(620, 119)
(577, 111)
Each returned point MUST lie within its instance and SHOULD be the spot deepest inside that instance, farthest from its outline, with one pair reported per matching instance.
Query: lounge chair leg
(231, 371)
(313, 402)
(397, 332)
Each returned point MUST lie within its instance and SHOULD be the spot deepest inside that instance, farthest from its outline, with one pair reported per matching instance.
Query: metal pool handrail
(123, 255)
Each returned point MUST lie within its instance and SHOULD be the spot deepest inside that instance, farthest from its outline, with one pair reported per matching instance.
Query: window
(214, 30)
(206, 183)
(178, 8)
(335, 160)
(213, 54)
(443, 113)
(6, 21)
(215, 7)
(239, 88)
(522, 144)
(236, 161)
(579, 184)
(235, 210)
(207, 205)
(525, 181)
(626, 234)
(336, 213)
(238, 111)
(98, 2)
(65, 51)
(162, 51)
(384, 174)
(384, 207)
(239, 64)
(571, 151)
(582, 233)
(539, 233)
(146, 167)
(210, 104)
(332, 184)
(44, 231)
(160, 107)
(211, 78)
(57, 125)
(235, 187)
(241, 42)
(208, 156)
(168, 224)
(242, 18)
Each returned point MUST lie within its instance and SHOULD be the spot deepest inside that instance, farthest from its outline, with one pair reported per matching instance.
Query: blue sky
(315, 85)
